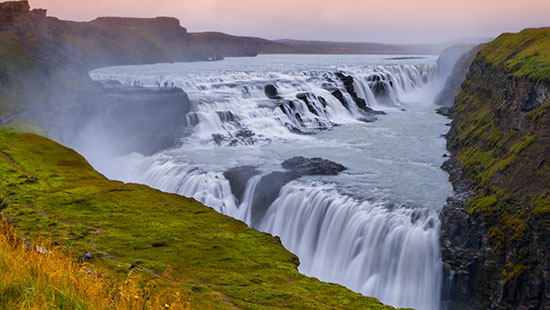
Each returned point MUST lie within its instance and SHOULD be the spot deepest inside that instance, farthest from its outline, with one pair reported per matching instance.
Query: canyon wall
(495, 230)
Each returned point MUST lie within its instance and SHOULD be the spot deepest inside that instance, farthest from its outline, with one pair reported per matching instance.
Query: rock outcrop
(270, 185)
(495, 232)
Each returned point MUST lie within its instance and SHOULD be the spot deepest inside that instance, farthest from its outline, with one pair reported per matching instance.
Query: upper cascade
(258, 107)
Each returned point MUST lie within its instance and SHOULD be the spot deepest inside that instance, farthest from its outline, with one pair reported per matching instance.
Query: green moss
(512, 272)
(523, 144)
(524, 54)
(482, 204)
(542, 205)
(53, 192)
(502, 150)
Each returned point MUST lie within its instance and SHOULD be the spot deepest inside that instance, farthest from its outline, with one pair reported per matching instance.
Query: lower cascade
(373, 227)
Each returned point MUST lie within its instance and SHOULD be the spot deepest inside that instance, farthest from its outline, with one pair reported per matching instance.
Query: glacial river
(373, 228)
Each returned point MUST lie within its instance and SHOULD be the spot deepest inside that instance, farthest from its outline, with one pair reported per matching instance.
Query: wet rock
(266, 193)
(238, 177)
(218, 138)
(271, 92)
(245, 133)
(338, 95)
(271, 184)
(310, 105)
(312, 166)
(444, 111)
(360, 102)
(225, 116)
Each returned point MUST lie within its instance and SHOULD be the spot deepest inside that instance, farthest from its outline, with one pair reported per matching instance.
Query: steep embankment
(495, 231)
(49, 190)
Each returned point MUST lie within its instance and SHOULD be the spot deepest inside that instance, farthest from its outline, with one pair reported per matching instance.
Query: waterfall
(231, 108)
(389, 254)
(372, 245)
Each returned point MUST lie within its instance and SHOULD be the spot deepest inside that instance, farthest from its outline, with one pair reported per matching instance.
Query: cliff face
(44, 80)
(495, 231)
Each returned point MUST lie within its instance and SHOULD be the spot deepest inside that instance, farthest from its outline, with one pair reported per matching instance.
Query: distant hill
(217, 43)
(329, 47)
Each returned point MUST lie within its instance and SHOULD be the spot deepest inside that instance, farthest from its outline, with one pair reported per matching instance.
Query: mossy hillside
(504, 150)
(524, 54)
(49, 190)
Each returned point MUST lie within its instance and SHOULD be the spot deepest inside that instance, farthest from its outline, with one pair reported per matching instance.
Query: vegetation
(49, 191)
(503, 149)
(524, 54)
(44, 277)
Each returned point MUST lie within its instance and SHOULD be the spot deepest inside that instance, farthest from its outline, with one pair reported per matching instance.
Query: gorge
(338, 156)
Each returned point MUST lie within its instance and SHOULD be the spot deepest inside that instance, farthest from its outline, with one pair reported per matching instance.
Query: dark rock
(368, 119)
(245, 133)
(159, 244)
(310, 105)
(531, 103)
(86, 256)
(218, 138)
(491, 263)
(9, 10)
(40, 12)
(360, 102)
(226, 116)
(445, 111)
(312, 166)
(271, 92)
(338, 94)
(271, 184)
(238, 177)
(266, 193)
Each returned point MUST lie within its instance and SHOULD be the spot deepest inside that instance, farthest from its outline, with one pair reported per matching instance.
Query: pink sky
(407, 21)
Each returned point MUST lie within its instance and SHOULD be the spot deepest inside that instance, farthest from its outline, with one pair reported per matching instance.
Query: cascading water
(373, 228)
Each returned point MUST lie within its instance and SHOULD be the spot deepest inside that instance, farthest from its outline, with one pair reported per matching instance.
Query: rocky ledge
(270, 184)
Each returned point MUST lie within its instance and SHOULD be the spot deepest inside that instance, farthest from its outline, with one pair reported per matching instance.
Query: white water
(374, 228)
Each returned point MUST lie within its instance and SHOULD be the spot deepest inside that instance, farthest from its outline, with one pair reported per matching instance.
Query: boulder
(271, 92)
(238, 177)
(271, 184)
(312, 166)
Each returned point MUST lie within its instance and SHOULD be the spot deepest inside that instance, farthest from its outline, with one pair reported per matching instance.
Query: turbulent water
(373, 228)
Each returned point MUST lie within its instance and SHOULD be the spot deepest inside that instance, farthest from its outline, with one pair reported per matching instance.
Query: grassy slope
(526, 54)
(48, 189)
(32, 279)
(508, 168)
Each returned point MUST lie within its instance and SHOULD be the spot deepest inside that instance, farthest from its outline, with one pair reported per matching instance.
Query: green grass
(524, 54)
(50, 191)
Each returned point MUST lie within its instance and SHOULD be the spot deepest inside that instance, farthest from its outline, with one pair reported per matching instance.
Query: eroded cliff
(495, 231)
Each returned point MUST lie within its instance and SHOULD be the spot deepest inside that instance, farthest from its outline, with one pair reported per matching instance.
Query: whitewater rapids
(373, 228)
